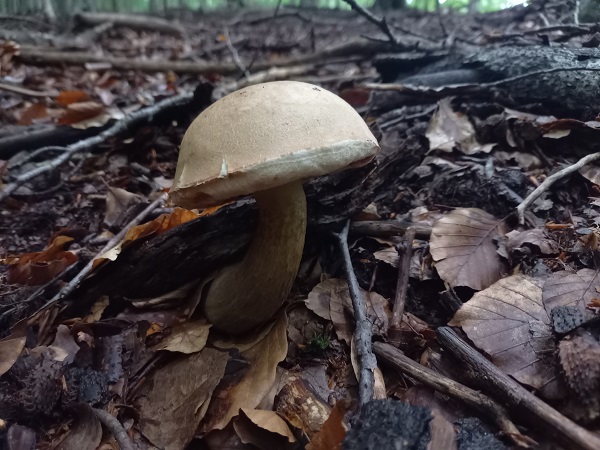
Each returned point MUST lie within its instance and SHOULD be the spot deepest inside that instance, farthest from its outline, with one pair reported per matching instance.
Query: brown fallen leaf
(572, 289)
(263, 429)
(535, 237)
(118, 201)
(247, 387)
(161, 224)
(175, 397)
(187, 337)
(67, 97)
(12, 346)
(333, 432)
(508, 321)
(40, 267)
(463, 248)
(449, 129)
(330, 300)
(33, 113)
(81, 111)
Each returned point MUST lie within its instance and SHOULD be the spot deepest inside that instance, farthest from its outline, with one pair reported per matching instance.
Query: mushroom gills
(248, 293)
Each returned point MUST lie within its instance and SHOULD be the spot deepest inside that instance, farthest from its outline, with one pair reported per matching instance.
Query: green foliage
(159, 6)
(319, 343)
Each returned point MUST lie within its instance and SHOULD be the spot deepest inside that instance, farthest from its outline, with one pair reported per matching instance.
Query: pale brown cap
(265, 136)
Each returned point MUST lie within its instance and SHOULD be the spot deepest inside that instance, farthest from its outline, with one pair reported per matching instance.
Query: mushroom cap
(265, 136)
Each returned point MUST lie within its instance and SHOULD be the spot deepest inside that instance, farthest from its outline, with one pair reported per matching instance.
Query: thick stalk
(249, 293)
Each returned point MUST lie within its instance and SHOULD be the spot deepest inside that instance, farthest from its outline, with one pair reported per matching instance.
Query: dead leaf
(33, 113)
(463, 248)
(535, 237)
(333, 432)
(591, 173)
(64, 348)
(250, 386)
(40, 267)
(449, 129)
(263, 429)
(174, 398)
(66, 98)
(118, 201)
(86, 434)
(161, 224)
(81, 111)
(97, 309)
(12, 346)
(188, 337)
(387, 255)
(571, 289)
(508, 321)
(331, 300)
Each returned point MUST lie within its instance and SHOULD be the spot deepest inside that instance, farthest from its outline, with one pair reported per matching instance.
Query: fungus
(265, 140)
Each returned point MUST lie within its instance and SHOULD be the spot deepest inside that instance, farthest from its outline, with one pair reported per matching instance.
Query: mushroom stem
(248, 293)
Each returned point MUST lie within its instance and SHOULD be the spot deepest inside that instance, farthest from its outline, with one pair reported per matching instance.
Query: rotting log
(515, 76)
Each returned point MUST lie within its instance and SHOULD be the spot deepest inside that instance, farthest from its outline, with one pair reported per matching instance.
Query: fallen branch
(381, 23)
(115, 427)
(516, 396)
(37, 55)
(548, 182)
(24, 91)
(138, 22)
(481, 402)
(362, 332)
(118, 128)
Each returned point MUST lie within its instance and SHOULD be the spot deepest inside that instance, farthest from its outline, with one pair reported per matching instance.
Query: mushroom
(265, 140)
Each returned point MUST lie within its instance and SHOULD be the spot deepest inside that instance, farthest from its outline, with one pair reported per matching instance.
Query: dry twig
(481, 402)
(548, 182)
(404, 256)
(516, 396)
(115, 427)
(363, 331)
(381, 23)
(118, 128)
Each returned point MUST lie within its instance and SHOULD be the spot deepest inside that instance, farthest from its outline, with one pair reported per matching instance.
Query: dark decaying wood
(193, 250)
(572, 76)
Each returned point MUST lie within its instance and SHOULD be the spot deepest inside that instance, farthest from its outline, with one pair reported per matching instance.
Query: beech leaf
(464, 249)
(508, 322)
(249, 386)
(572, 289)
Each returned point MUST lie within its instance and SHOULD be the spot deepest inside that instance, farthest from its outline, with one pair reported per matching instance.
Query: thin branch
(388, 228)
(115, 427)
(481, 402)
(118, 128)
(548, 182)
(516, 396)
(25, 91)
(404, 257)
(236, 57)
(363, 331)
(381, 23)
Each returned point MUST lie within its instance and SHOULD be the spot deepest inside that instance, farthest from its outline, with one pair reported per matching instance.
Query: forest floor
(486, 328)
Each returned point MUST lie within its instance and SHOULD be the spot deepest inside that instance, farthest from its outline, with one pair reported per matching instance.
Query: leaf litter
(521, 296)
